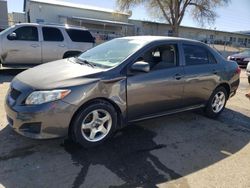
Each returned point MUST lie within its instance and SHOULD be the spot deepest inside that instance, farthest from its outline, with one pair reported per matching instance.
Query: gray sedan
(116, 83)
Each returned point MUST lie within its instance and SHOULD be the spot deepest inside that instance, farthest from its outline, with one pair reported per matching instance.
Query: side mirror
(140, 66)
(12, 36)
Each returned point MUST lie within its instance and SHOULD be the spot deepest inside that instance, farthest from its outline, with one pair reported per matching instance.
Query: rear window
(80, 35)
(195, 55)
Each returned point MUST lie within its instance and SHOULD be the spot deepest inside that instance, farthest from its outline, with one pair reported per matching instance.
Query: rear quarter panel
(230, 74)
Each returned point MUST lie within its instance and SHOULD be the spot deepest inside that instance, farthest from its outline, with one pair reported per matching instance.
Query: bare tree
(173, 11)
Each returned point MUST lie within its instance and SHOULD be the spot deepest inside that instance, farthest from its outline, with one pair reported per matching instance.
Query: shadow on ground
(145, 154)
(9, 74)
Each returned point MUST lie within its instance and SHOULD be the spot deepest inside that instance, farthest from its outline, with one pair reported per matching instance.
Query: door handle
(34, 45)
(177, 76)
(61, 45)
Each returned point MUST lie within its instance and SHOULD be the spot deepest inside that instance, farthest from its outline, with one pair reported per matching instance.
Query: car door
(24, 47)
(54, 44)
(160, 89)
(201, 74)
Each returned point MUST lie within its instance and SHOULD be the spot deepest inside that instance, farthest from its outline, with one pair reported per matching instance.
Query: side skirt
(168, 113)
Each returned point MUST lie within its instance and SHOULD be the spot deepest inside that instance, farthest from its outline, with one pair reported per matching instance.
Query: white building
(3, 14)
(205, 35)
(104, 23)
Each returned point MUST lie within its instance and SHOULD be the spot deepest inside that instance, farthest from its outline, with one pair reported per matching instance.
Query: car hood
(59, 74)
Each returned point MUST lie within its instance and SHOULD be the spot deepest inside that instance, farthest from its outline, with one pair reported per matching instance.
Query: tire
(249, 79)
(94, 124)
(215, 106)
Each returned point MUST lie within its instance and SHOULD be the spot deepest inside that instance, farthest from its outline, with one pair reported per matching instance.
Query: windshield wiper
(80, 61)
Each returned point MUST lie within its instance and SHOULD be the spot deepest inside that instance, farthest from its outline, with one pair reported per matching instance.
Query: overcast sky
(234, 17)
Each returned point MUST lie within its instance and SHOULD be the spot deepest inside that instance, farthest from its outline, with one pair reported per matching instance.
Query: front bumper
(48, 120)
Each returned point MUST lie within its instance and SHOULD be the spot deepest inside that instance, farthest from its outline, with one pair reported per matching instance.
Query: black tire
(209, 111)
(249, 79)
(84, 113)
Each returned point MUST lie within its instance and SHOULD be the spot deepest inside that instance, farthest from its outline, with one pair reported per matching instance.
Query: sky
(234, 17)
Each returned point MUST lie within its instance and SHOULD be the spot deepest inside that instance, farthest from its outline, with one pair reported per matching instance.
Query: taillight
(238, 70)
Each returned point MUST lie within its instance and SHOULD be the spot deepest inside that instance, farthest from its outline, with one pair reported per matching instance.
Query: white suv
(31, 43)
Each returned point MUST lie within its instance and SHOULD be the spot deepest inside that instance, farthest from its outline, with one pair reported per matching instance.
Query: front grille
(14, 94)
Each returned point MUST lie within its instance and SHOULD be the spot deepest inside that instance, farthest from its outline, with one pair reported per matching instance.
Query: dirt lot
(182, 150)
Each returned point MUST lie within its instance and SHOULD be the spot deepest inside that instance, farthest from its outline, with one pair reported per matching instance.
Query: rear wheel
(94, 124)
(249, 79)
(217, 102)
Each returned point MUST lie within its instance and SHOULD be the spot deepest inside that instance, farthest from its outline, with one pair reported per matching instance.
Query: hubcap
(96, 125)
(218, 102)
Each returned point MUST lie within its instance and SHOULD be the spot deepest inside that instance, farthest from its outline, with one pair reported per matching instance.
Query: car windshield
(112, 53)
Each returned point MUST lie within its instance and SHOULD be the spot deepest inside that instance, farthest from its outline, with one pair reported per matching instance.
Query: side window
(26, 33)
(52, 34)
(80, 35)
(195, 55)
(211, 58)
(161, 57)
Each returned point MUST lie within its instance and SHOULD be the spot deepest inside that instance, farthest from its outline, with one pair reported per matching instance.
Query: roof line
(78, 6)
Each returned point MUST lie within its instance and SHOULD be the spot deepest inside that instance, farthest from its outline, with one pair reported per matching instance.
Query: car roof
(53, 25)
(150, 38)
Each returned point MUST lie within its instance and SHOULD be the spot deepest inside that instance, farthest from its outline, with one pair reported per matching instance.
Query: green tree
(173, 11)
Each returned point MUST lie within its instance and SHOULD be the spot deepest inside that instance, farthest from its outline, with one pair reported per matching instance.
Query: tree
(173, 11)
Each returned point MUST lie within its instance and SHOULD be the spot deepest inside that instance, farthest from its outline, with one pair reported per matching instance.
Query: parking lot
(181, 150)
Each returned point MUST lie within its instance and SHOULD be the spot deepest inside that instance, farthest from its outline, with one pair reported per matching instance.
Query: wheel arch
(226, 86)
(96, 100)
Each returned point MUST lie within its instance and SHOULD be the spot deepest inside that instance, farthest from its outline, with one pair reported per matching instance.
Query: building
(3, 14)
(106, 24)
(205, 35)
(17, 17)
(103, 23)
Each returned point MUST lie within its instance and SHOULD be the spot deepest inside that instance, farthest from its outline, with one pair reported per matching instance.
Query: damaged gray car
(116, 83)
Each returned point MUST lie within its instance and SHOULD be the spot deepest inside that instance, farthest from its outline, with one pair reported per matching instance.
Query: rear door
(201, 74)
(25, 48)
(80, 40)
(54, 45)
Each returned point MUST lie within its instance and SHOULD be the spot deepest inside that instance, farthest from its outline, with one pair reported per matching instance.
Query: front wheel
(249, 79)
(216, 103)
(94, 124)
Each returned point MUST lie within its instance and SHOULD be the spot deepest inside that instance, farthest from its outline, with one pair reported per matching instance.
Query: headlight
(40, 97)
(228, 58)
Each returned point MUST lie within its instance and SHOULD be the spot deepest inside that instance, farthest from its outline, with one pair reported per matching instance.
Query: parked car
(241, 58)
(31, 43)
(248, 70)
(116, 83)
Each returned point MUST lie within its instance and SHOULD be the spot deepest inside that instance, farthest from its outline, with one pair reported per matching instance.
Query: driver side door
(24, 49)
(159, 90)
